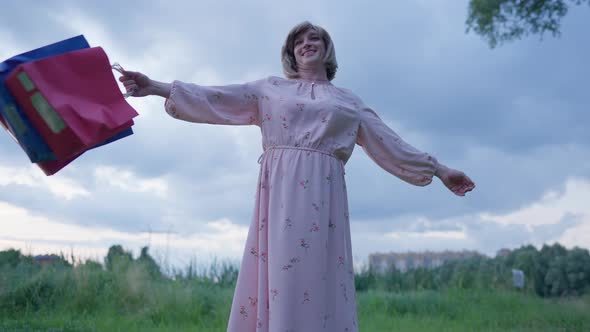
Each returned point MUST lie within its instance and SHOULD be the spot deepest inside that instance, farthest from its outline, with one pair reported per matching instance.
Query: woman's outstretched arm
(142, 86)
(392, 153)
(233, 104)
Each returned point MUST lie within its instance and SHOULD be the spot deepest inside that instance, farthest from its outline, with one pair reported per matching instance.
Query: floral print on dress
(331, 225)
(262, 224)
(340, 261)
(250, 96)
(254, 252)
(304, 244)
(243, 312)
(343, 286)
(306, 297)
(305, 195)
(253, 301)
(291, 263)
(284, 120)
(314, 227)
(288, 223)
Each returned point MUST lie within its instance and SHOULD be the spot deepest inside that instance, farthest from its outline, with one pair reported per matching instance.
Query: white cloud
(9, 44)
(552, 207)
(58, 185)
(40, 235)
(562, 217)
(78, 22)
(427, 235)
(129, 181)
(202, 182)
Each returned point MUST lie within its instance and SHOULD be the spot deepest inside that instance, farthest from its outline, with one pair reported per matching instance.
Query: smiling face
(309, 49)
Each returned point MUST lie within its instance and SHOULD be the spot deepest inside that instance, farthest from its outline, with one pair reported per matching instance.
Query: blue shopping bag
(13, 118)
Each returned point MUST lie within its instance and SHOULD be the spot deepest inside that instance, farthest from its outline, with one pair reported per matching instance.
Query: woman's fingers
(128, 75)
(129, 82)
(463, 186)
(132, 74)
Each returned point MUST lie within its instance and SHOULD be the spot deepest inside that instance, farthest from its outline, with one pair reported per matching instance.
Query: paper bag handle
(116, 66)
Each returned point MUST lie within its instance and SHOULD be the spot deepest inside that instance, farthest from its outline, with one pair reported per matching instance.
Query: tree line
(553, 271)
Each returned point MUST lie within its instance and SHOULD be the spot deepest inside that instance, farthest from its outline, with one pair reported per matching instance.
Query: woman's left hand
(456, 181)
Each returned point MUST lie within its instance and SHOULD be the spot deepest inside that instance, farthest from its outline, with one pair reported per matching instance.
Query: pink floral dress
(296, 272)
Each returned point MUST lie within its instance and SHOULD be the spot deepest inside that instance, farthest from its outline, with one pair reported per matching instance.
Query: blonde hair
(288, 55)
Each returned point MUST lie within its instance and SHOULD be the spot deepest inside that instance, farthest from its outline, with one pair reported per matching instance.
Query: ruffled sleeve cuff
(169, 104)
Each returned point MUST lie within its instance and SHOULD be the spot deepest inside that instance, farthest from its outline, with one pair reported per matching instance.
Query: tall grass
(130, 296)
(470, 310)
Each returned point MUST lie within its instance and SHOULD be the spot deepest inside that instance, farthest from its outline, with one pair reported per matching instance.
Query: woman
(297, 271)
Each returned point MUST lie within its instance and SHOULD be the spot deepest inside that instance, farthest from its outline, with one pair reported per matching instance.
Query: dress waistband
(298, 148)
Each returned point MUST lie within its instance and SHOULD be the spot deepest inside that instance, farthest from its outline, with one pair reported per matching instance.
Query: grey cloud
(512, 118)
(504, 182)
(484, 236)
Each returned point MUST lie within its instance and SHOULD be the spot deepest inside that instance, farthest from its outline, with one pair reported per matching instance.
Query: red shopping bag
(72, 99)
(53, 166)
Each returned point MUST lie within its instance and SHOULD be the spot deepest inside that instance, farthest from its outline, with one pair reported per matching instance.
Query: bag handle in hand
(116, 66)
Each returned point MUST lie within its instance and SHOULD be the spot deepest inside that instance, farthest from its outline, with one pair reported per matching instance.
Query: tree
(118, 258)
(149, 264)
(556, 279)
(577, 270)
(10, 257)
(499, 21)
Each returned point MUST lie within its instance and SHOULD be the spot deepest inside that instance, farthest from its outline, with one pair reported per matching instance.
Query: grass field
(132, 295)
(207, 310)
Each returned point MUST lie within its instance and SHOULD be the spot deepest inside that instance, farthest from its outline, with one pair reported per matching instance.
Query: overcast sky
(513, 118)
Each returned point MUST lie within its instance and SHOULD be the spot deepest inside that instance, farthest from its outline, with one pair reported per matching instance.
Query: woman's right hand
(139, 83)
(455, 180)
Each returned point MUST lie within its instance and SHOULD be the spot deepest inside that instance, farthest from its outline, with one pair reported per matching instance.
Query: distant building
(46, 259)
(410, 260)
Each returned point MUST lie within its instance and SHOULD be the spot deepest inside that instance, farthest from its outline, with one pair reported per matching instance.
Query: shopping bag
(12, 117)
(72, 99)
(53, 166)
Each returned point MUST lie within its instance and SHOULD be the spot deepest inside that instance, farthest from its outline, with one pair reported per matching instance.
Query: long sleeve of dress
(234, 104)
(392, 153)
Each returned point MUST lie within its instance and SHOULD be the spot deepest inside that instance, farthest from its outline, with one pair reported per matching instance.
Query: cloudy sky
(513, 118)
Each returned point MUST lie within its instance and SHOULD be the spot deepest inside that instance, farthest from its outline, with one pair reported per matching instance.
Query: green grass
(180, 309)
(470, 310)
(130, 295)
